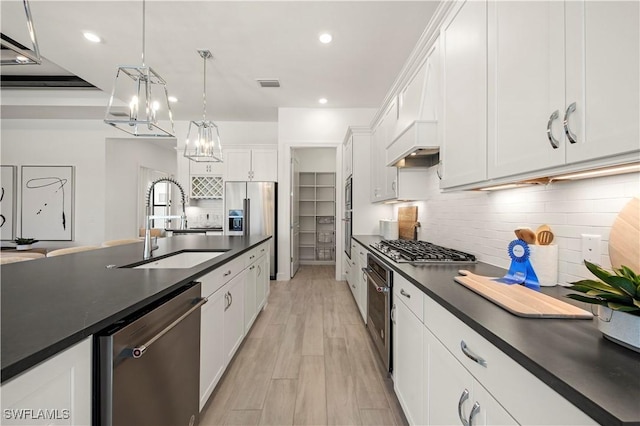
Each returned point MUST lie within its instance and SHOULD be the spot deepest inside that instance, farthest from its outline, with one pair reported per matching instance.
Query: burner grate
(422, 251)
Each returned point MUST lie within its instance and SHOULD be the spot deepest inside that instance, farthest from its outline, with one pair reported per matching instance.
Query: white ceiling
(248, 39)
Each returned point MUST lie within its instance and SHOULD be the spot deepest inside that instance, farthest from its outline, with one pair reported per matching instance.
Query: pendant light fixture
(147, 99)
(203, 139)
(14, 53)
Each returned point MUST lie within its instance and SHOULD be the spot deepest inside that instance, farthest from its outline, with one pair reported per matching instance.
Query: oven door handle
(138, 351)
(379, 289)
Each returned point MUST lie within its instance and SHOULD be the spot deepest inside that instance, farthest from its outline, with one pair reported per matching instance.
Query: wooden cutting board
(520, 300)
(624, 240)
(407, 219)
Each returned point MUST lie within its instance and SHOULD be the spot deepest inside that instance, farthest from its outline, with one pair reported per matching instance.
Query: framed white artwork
(47, 203)
(8, 203)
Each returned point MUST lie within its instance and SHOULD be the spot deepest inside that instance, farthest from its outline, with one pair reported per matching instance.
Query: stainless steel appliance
(348, 222)
(421, 252)
(148, 365)
(251, 210)
(379, 284)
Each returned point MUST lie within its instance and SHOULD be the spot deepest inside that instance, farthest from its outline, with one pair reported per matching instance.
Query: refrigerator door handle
(246, 205)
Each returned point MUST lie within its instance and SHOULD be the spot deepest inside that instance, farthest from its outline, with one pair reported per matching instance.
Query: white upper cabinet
(603, 73)
(204, 169)
(383, 178)
(347, 158)
(463, 41)
(525, 86)
(538, 51)
(260, 165)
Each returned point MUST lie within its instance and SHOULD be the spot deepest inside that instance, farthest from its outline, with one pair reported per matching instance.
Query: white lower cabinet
(262, 281)
(55, 392)
(212, 353)
(408, 366)
(438, 384)
(221, 331)
(453, 395)
(250, 297)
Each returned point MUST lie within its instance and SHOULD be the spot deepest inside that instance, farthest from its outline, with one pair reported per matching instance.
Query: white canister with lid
(389, 229)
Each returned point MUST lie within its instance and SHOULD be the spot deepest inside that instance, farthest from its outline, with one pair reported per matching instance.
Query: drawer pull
(474, 411)
(226, 274)
(552, 140)
(251, 257)
(463, 398)
(405, 294)
(471, 355)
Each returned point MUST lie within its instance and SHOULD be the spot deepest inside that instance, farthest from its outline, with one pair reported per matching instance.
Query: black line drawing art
(8, 177)
(4, 219)
(47, 202)
(58, 186)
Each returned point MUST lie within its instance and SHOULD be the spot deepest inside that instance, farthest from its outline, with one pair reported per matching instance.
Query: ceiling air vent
(268, 83)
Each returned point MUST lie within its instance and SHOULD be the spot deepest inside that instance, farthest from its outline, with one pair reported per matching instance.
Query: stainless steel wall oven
(379, 284)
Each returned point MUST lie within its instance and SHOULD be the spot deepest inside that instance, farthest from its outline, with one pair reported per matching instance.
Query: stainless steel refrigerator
(250, 209)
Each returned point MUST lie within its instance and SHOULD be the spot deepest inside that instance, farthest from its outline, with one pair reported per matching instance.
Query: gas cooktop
(421, 252)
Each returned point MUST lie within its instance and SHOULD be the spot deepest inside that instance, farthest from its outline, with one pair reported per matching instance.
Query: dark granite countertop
(194, 230)
(52, 303)
(570, 356)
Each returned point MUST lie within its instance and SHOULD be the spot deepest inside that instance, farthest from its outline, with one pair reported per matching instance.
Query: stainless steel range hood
(416, 146)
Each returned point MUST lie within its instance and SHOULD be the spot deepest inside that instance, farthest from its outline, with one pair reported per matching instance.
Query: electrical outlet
(591, 248)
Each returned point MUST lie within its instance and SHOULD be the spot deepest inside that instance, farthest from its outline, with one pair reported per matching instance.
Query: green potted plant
(24, 243)
(618, 298)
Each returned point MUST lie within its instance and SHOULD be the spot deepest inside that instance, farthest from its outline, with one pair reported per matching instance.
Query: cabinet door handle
(259, 270)
(393, 185)
(226, 274)
(230, 298)
(570, 135)
(474, 411)
(439, 170)
(552, 140)
(463, 398)
(405, 294)
(226, 301)
(471, 355)
(393, 313)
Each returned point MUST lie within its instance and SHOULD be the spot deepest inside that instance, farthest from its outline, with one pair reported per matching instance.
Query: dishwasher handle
(139, 350)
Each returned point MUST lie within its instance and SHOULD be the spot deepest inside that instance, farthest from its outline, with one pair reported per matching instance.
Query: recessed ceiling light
(92, 37)
(322, 100)
(325, 38)
(172, 99)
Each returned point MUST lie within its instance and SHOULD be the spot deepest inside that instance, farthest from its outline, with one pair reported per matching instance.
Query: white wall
(310, 127)
(105, 181)
(64, 142)
(482, 223)
(124, 157)
(316, 159)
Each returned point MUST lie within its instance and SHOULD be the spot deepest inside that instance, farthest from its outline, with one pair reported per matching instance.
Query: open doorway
(313, 208)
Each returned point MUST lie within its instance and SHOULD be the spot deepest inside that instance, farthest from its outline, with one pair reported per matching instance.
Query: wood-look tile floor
(306, 361)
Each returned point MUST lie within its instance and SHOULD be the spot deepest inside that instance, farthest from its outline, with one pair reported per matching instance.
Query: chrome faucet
(149, 217)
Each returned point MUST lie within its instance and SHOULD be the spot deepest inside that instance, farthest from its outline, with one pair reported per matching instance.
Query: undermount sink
(182, 260)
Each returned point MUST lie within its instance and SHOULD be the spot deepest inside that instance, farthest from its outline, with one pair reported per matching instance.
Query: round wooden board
(624, 242)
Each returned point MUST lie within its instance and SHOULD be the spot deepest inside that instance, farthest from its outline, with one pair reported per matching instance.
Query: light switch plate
(591, 248)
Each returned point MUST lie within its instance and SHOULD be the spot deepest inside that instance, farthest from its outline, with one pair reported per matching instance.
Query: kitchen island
(570, 356)
(50, 304)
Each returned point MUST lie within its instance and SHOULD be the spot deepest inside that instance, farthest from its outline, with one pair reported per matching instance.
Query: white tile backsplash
(482, 223)
(198, 209)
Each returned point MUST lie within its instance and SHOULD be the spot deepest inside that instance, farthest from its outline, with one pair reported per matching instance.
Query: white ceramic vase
(23, 247)
(620, 327)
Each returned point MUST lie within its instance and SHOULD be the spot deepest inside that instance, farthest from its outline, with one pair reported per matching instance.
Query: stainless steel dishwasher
(148, 365)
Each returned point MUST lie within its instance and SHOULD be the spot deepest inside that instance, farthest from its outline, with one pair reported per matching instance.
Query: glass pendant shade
(203, 142)
(147, 112)
(203, 138)
(144, 110)
(14, 53)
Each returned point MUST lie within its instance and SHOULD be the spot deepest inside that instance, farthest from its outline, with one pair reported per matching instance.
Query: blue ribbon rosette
(520, 271)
